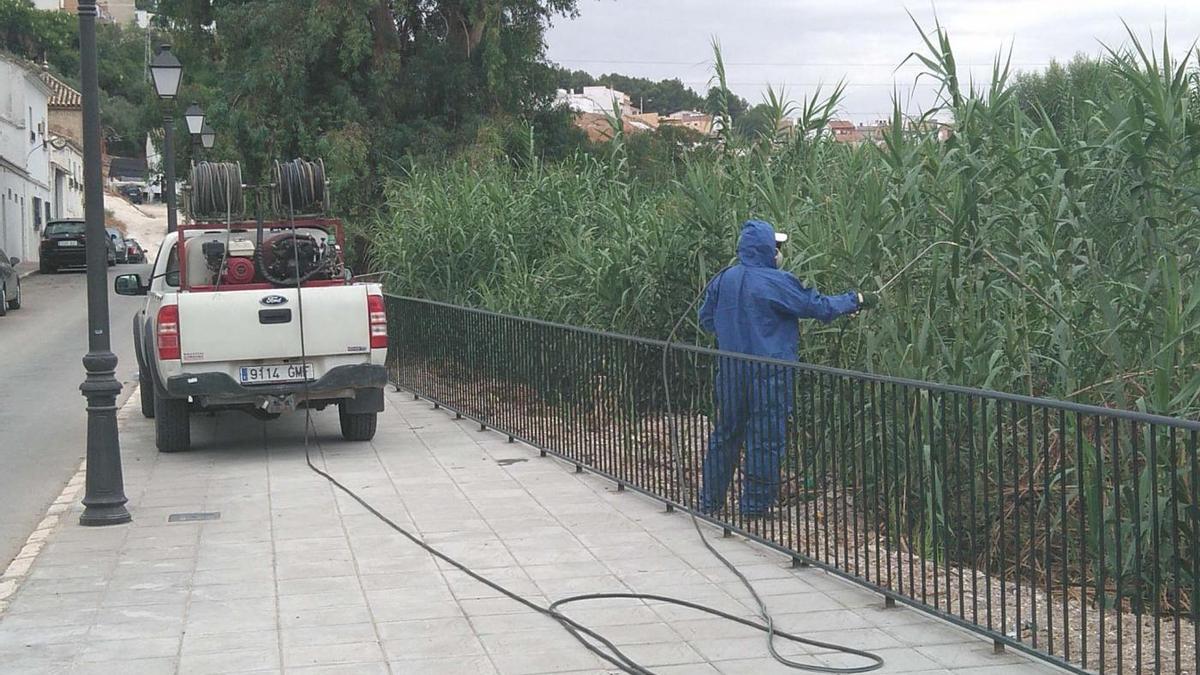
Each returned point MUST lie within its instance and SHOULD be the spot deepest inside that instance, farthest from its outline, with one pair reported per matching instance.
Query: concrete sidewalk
(294, 576)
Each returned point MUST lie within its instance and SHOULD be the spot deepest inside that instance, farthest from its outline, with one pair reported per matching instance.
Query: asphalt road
(43, 422)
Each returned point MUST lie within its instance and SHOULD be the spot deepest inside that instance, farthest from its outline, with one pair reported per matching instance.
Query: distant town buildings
(116, 11)
(701, 123)
(596, 100)
(593, 107)
(845, 131)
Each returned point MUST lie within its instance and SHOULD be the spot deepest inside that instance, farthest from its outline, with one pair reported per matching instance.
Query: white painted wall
(66, 188)
(597, 100)
(24, 157)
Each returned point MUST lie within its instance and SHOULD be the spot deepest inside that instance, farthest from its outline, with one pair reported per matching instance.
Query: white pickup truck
(225, 328)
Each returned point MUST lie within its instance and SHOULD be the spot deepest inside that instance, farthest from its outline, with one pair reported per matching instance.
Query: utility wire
(797, 64)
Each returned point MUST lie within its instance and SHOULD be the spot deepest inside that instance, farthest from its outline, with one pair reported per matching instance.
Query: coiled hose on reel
(299, 188)
(216, 191)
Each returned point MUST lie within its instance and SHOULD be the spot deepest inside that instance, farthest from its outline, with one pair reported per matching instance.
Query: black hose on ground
(301, 181)
(589, 638)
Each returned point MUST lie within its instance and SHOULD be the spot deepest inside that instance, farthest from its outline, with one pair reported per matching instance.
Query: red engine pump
(239, 271)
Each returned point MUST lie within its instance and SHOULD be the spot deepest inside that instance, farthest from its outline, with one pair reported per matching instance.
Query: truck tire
(172, 428)
(15, 303)
(146, 388)
(357, 426)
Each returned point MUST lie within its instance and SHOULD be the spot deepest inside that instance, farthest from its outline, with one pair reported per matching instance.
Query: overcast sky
(799, 43)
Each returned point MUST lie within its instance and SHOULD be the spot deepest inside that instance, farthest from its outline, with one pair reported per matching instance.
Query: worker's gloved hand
(867, 300)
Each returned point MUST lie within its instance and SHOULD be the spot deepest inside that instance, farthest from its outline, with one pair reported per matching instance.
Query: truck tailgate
(241, 325)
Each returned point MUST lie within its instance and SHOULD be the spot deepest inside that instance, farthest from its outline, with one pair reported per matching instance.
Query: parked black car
(133, 193)
(10, 284)
(63, 246)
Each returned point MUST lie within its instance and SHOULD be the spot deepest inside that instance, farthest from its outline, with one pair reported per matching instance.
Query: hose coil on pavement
(299, 188)
(216, 191)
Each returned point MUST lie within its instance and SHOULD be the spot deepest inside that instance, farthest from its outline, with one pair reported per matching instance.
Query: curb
(30, 273)
(135, 207)
(138, 208)
(18, 570)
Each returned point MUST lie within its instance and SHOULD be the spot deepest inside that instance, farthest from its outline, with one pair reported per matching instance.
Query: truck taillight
(167, 330)
(378, 322)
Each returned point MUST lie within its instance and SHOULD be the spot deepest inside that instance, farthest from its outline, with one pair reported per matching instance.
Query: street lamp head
(195, 119)
(167, 71)
(208, 137)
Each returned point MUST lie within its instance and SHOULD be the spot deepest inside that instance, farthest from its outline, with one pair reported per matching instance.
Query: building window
(47, 212)
(37, 213)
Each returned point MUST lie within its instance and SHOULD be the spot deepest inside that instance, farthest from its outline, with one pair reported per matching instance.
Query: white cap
(781, 237)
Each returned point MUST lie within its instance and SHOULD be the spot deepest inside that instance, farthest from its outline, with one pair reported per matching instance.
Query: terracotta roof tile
(62, 96)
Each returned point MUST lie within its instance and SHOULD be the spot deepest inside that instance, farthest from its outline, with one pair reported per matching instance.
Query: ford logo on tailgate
(273, 300)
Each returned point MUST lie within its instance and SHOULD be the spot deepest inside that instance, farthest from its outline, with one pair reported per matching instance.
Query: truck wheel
(3, 300)
(15, 303)
(146, 388)
(172, 428)
(357, 426)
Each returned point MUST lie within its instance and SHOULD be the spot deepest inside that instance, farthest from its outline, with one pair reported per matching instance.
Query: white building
(66, 167)
(598, 100)
(65, 110)
(24, 157)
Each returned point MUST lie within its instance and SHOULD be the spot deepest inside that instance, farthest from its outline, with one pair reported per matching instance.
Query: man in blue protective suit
(753, 308)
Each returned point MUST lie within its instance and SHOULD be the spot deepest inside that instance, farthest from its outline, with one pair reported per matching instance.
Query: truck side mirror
(14, 261)
(129, 284)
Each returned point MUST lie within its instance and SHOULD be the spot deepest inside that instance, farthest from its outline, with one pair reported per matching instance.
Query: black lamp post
(195, 124)
(208, 137)
(104, 497)
(167, 71)
(194, 116)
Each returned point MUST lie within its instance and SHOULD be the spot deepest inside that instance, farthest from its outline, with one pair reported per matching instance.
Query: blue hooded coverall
(753, 308)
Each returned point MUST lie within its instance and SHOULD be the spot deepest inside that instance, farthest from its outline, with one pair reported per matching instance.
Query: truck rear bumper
(341, 382)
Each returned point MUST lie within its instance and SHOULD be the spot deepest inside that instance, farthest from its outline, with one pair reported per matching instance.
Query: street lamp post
(208, 137)
(194, 116)
(104, 497)
(195, 123)
(167, 71)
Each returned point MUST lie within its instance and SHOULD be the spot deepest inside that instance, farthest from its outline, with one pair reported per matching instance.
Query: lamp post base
(99, 516)
(104, 495)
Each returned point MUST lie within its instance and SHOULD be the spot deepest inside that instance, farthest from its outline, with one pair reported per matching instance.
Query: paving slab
(295, 576)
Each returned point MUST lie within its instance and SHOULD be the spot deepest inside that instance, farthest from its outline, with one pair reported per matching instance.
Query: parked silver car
(120, 250)
(10, 284)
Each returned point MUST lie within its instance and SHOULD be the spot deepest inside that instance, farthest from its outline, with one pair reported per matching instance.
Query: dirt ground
(145, 222)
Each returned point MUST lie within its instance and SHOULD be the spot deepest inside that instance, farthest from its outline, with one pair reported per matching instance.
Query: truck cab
(221, 331)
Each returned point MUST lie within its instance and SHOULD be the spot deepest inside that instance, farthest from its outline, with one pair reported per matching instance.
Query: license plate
(284, 372)
(68, 242)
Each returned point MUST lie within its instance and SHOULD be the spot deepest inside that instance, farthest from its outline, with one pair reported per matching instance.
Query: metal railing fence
(1068, 531)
